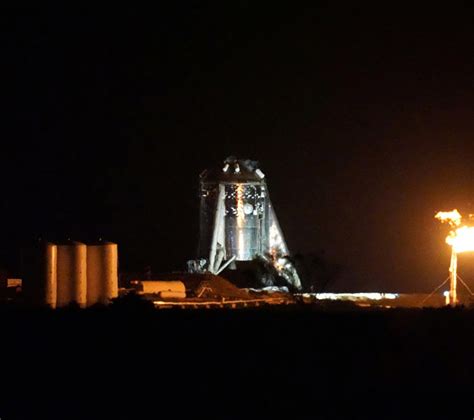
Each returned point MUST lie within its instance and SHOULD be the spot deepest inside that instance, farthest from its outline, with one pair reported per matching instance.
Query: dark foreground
(131, 361)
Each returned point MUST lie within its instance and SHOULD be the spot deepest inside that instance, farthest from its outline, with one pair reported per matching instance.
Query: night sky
(362, 120)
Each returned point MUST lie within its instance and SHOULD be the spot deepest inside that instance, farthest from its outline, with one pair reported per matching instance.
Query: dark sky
(362, 120)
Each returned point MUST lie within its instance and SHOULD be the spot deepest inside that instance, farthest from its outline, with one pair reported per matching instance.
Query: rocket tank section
(238, 223)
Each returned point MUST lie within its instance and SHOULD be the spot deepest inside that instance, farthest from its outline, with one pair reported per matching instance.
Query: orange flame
(460, 238)
(452, 217)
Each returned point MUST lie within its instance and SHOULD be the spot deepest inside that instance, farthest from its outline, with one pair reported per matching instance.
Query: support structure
(453, 278)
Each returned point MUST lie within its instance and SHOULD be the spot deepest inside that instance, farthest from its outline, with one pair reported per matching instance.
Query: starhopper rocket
(238, 224)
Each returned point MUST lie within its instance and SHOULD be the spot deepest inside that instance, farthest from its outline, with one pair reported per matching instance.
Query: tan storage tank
(166, 289)
(72, 273)
(102, 273)
(50, 274)
(166, 294)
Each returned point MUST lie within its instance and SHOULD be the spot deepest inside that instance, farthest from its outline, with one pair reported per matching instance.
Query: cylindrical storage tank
(50, 274)
(172, 295)
(38, 271)
(158, 287)
(102, 273)
(72, 274)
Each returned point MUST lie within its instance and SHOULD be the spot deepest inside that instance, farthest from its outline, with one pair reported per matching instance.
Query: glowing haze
(460, 238)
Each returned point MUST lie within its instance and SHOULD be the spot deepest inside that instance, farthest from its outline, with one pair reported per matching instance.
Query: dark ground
(300, 362)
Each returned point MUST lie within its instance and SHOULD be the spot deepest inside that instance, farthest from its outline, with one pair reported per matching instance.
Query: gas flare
(452, 217)
(460, 239)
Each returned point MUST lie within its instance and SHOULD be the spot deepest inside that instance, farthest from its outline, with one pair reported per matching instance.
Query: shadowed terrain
(130, 359)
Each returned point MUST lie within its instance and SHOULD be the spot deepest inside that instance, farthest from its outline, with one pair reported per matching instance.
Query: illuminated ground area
(389, 300)
(209, 291)
(359, 300)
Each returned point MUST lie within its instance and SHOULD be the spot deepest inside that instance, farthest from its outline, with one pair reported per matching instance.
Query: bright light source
(461, 239)
(260, 174)
(356, 296)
